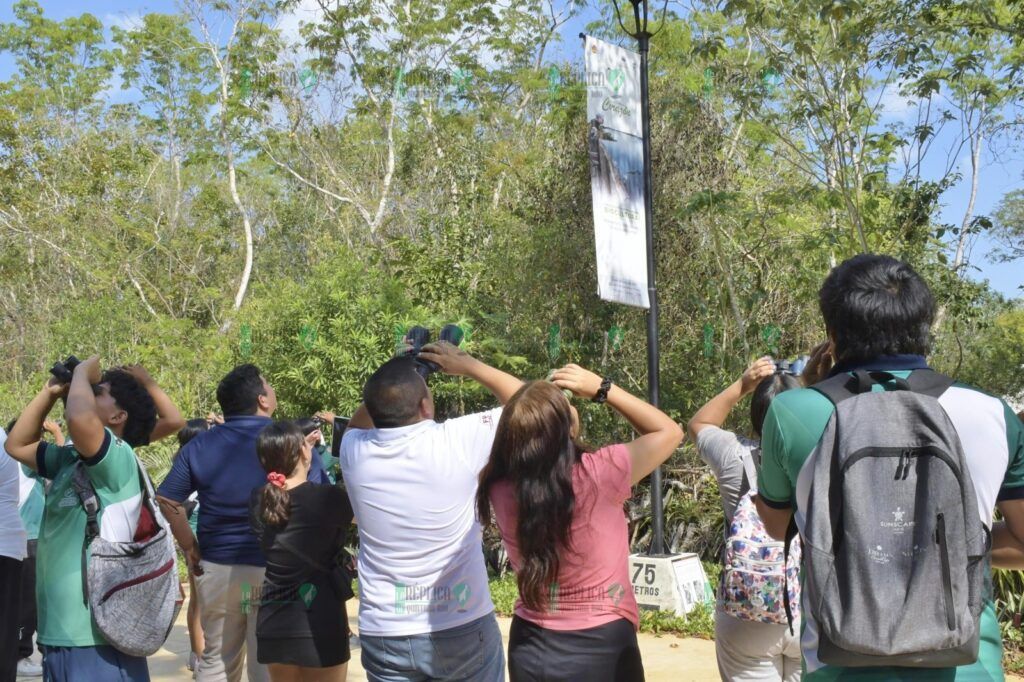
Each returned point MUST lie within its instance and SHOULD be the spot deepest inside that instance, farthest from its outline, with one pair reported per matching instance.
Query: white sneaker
(26, 668)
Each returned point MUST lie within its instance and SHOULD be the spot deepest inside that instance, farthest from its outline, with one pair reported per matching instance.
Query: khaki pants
(228, 604)
(756, 652)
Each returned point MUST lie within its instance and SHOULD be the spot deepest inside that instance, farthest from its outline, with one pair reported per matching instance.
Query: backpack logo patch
(898, 526)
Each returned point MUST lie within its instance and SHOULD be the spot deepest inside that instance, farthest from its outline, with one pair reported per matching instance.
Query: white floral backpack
(757, 577)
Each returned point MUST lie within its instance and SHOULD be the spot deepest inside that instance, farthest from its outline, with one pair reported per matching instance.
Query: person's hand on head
(757, 371)
(313, 438)
(819, 364)
(582, 382)
(213, 418)
(51, 427)
(140, 374)
(451, 359)
(326, 416)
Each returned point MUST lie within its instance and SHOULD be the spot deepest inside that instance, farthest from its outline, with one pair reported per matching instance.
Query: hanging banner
(615, 148)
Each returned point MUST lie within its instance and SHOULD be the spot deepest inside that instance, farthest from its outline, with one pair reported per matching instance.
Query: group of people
(267, 546)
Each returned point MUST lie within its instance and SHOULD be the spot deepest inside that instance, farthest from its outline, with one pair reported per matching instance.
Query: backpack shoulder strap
(91, 506)
(836, 389)
(844, 386)
(929, 382)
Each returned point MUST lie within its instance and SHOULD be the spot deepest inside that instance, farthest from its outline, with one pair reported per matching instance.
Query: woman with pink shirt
(559, 508)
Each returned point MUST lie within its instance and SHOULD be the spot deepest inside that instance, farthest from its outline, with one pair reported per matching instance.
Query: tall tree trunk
(977, 138)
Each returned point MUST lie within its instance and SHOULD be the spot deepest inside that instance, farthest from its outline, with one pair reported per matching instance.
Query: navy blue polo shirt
(221, 464)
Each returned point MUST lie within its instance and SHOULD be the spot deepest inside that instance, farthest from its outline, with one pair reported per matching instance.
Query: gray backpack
(894, 546)
(131, 588)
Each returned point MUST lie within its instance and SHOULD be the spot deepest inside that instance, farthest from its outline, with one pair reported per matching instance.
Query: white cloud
(290, 23)
(128, 22)
(894, 106)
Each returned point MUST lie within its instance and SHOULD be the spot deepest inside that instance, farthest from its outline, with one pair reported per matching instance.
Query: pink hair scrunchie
(275, 478)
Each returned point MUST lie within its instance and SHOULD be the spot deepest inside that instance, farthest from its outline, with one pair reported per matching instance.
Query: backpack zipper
(146, 577)
(903, 466)
(947, 584)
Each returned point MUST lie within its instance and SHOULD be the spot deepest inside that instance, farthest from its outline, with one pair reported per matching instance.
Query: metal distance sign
(615, 149)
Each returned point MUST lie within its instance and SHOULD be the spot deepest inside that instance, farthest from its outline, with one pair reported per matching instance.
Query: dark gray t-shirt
(723, 451)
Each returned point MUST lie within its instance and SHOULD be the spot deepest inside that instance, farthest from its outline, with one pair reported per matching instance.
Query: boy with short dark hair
(107, 416)
(878, 314)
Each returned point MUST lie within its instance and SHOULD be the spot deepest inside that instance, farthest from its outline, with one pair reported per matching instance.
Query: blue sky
(1002, 169)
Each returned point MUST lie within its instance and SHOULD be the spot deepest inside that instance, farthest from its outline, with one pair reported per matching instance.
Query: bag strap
(91, 506)
(791, 532)
(148, 492)
(749, 469)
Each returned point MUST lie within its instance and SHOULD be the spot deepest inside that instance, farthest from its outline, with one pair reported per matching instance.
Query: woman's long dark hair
(535, 452)
(279, 448)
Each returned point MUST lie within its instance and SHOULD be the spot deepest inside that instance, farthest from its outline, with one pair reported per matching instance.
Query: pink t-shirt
(593, 578)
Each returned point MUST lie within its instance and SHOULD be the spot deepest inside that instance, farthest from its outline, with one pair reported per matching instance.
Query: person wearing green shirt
(107, 414)
(878, 314)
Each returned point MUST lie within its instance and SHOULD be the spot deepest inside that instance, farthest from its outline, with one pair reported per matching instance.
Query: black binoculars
(418, 337)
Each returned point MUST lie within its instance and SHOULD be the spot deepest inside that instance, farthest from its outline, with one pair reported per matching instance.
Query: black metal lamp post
(643, 38)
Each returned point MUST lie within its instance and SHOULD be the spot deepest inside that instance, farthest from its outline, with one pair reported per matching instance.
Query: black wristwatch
(602, 393)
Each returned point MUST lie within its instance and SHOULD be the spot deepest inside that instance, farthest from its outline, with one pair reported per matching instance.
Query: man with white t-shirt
(425, 611)
(12, 552)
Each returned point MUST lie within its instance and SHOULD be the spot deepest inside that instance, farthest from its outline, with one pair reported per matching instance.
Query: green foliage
(504, 593)
(435, 171)
(700, 622)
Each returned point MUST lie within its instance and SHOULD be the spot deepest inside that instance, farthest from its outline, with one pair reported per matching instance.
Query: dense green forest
(204, 188)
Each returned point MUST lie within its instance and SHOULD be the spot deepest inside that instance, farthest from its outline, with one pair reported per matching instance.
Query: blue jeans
(94, 663)
(473, 651)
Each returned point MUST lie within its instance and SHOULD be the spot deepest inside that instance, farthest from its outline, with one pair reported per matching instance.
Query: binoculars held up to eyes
(418, 337)
(63, 371)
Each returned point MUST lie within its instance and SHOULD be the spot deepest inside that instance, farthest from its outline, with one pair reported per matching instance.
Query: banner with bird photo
(615, 149)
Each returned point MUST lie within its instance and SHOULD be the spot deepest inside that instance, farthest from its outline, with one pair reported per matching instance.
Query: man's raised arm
(23, 440)
(169, 419)
(457, 362)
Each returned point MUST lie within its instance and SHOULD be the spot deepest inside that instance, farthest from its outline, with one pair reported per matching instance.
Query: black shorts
(607, 653)
(308, 652)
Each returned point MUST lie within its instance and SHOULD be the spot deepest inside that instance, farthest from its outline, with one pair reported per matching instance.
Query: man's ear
(427, 407)
(263, 401)
(119, 417)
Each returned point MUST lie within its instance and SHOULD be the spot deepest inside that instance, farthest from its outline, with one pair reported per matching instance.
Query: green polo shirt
(31, 509)
(993, 442)
(64, 619)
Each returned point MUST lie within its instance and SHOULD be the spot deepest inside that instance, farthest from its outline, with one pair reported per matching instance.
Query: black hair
(239, 391)
(10, 425)
(765, 393)
(393, 393)
(876, 305)
(279, 449)
(132, 397)
(192, 428)
(306, 424)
